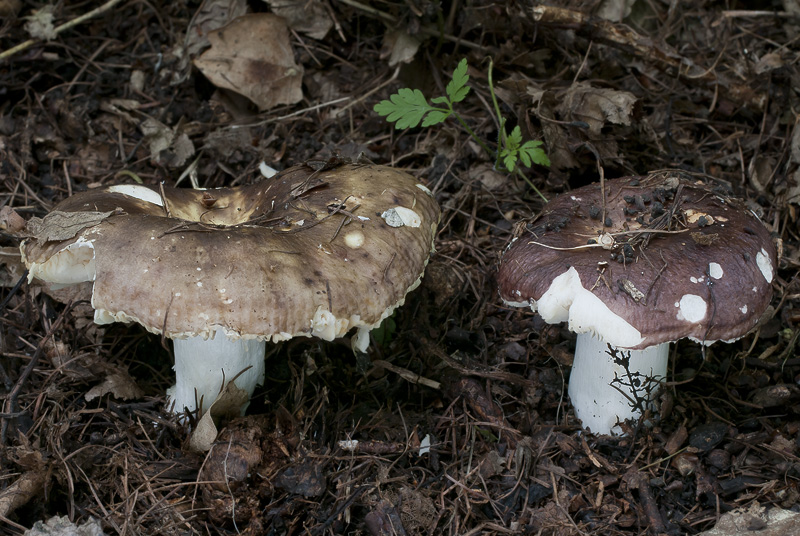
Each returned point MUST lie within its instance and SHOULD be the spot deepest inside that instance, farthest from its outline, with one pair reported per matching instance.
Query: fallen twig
(66, 26)
(659, 54)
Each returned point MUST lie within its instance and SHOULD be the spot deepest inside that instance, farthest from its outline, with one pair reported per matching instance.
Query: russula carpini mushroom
(645, 262)
(222, 271)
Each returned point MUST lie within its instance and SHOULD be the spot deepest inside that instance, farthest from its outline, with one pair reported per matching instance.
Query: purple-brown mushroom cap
(666, 259)
(310, 253)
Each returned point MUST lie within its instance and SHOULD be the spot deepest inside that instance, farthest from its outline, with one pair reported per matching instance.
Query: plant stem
(471, 133)
(501, 142)
(526, 179)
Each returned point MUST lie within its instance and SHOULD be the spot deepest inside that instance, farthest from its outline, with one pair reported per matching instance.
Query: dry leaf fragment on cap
(60, 225)
(252, 56)
(312, 252)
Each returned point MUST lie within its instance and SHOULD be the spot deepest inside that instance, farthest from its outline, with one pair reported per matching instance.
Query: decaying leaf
(227, 405)
(399, 47)
(583, 111)
(211, 15)
(60, 225)
(596, 106)
(305, 16)
(252, 56)
(168, 146)
(11, 221)
(119, 383)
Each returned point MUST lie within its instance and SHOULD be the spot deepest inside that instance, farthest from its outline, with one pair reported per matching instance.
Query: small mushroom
(701, 267)
(304, 253)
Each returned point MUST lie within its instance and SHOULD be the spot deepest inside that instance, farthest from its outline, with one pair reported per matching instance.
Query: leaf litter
(694, 87)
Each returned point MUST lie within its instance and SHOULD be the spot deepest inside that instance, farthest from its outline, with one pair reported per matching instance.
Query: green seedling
(409, 108)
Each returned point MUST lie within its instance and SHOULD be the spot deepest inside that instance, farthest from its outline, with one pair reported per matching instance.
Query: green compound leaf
(514, 140)
(435, 117)
(531, 152)
(509, 159)
(457, 88)
(405, 108)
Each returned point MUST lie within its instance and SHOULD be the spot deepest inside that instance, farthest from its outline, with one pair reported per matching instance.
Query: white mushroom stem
(204, 366)
(601, 390)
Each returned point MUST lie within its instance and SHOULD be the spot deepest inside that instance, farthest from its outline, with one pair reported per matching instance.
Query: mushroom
(646, 262)
(222, 271)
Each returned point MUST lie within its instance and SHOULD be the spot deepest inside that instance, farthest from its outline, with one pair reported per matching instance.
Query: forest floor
(612, 88)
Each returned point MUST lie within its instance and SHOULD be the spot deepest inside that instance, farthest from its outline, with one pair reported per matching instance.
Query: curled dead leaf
(227, 405)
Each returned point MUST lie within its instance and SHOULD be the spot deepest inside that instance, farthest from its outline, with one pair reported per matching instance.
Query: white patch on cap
(139, 192)
(399, 216)
(567, 300)
(743, 309)
(354, 239)
(424, 189)
(764, 264)
(715, 270)
(691, 308)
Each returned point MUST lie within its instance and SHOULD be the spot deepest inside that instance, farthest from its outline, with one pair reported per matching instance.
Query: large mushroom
(221, 272)
(644, 262)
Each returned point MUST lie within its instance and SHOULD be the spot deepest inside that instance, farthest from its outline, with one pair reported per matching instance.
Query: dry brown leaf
(399, 47)
(252, 56)
(168, 146)
(227, 405)
(305, 16)
(596, 106)
(11, 221)
(119, 383)
(211, 15)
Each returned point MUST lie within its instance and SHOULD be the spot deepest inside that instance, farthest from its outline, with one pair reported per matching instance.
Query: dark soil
(706, 88)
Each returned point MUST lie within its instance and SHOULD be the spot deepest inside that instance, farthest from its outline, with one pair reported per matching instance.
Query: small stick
(66, 26)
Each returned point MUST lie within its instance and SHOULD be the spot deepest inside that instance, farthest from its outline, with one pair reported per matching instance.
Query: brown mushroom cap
(682, 262)
(303, 253)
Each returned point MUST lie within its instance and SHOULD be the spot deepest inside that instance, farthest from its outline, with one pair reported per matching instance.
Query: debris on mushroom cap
(685, 262)
(303, 253)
